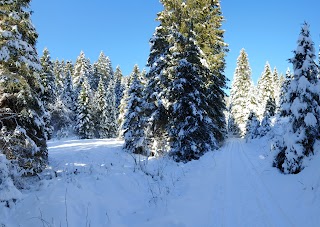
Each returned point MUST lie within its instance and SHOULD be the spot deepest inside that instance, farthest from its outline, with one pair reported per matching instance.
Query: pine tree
(118, 88)
(252, 126)
(277, 88)
(156, 89)
(101, 111)
(81, 72)
(126, 82)
(59, 76)
(49, 94)
(266, 89)
(102, 69)
(179, 17)
(284, 105)
(206, 21)
(111, 110)
(84, 119)
(240, 95)
(63, 109)
(22, 138)
(298, 142)
(133, 126)
(190, 129)
(48, 79)
(61, 119)
(265, 125)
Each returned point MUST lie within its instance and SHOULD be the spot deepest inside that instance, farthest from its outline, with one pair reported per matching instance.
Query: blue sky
(268, 30)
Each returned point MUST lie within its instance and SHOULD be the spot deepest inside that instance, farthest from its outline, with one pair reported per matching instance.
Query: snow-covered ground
(94, 183)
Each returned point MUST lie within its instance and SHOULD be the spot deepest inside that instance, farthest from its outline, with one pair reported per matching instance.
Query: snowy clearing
(94, 183)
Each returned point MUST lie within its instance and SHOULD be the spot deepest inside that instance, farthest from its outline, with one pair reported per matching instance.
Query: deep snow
(95, 183)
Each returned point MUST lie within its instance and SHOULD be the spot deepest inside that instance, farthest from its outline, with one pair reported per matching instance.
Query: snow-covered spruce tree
(22, 138)
(61, 119)
(118, 88)
(126, 82)
(63, 108)
(252, 126)
(206, 22)
(266, 91)
(190, 129)
(82, 70)
(265, 125)
(100, 112)
(299, 140)
(156, 89)
(101, 69)
(59, 75)
(277, 88)
(284, 104)
(49, 85)
(204, 19)
(240, 96)
(84, 118)
(133, 126)
(253, 98)
(111, 110)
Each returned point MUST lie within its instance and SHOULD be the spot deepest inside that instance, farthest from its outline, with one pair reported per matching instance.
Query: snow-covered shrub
(8, 191)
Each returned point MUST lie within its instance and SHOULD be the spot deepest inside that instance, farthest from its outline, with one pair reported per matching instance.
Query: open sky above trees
(122, 29)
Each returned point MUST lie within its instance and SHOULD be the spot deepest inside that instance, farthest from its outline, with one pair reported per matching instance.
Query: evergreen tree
(100, 112)
(48, 79)
(102, 69)
(240, 95)
(59, 76)
(253, 98)
(84, 119)
(179, 17)
(119, 88)
(126, 81)
(284, 106)
(266, 89)
(205, 18)
(303, 130)
(190, 129)
(252, 126)
(133, 126)
(111, 110)
(81, 73)
(49, 89)
(277, 88)
(22, 138)
(265, 125)
(63, 110)
(61, 119)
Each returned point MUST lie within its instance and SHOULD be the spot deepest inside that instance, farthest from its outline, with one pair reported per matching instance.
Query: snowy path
(226, 190)
(97, 184)
(248, 202)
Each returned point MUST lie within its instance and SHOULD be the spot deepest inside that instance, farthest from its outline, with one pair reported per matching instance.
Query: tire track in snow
(270, 206)
(243, 204)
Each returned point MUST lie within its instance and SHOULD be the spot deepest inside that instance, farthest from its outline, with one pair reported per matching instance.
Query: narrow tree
(100, 111)
(84, 119)
(252, 126)
(118, 87)
(49, 93)
(266, 89)
(284, 105)
(240, 95)
(133, 126)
